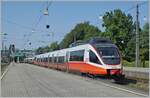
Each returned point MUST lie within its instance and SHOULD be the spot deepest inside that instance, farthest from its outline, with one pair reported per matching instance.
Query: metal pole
(137, 36)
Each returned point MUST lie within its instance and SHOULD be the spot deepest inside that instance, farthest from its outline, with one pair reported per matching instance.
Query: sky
(24, 21)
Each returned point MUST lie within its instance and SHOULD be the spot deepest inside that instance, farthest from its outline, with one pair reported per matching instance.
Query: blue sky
(19, 19)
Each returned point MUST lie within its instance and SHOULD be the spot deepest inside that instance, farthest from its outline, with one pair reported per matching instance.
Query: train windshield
(110, 55)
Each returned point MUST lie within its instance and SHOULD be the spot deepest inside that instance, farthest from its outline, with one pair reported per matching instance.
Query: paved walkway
(26, 80)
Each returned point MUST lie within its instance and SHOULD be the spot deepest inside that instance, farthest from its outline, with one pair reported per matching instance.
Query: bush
(132, 64)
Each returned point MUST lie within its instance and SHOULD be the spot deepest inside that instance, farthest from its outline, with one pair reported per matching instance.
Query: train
(96, 57)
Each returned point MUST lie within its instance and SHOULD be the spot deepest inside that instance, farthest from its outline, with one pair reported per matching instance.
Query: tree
(144, 44)
(82, 31)
(119, 28)
(39, 50)
(54, 46)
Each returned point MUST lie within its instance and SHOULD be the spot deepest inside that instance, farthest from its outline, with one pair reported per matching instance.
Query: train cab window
(77, 55)
(93, 58)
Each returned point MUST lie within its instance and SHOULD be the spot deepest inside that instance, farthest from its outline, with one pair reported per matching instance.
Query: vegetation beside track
(142, 84)
(132, 64)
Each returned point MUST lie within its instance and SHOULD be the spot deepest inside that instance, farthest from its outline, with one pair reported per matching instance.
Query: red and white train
(95, 57)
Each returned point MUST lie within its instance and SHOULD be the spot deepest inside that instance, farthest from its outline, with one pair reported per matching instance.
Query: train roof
(95, 40)
(99, 40)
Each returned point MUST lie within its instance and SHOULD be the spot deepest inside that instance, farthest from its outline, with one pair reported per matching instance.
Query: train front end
(111, 58)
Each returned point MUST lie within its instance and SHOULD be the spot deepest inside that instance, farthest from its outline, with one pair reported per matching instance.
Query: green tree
(54, 46)
(41, 50)
(82, 31)
(144, 44)
(119, 28)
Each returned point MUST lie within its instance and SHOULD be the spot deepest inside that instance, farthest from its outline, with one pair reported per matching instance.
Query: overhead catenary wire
(134, 6)
(125, 11)
(39, 19)
(23, 26)
(41, 16)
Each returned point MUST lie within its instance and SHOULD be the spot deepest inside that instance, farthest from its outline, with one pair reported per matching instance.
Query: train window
(77, 55)
(110, 55)
(55, 59)
(94, 58)
(61, 59)
(50, 59)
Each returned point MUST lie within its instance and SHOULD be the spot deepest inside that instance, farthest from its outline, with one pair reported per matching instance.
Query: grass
(140, 85)
(132, 64)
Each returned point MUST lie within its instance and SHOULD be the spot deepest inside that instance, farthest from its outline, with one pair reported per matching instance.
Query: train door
(67, 59)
